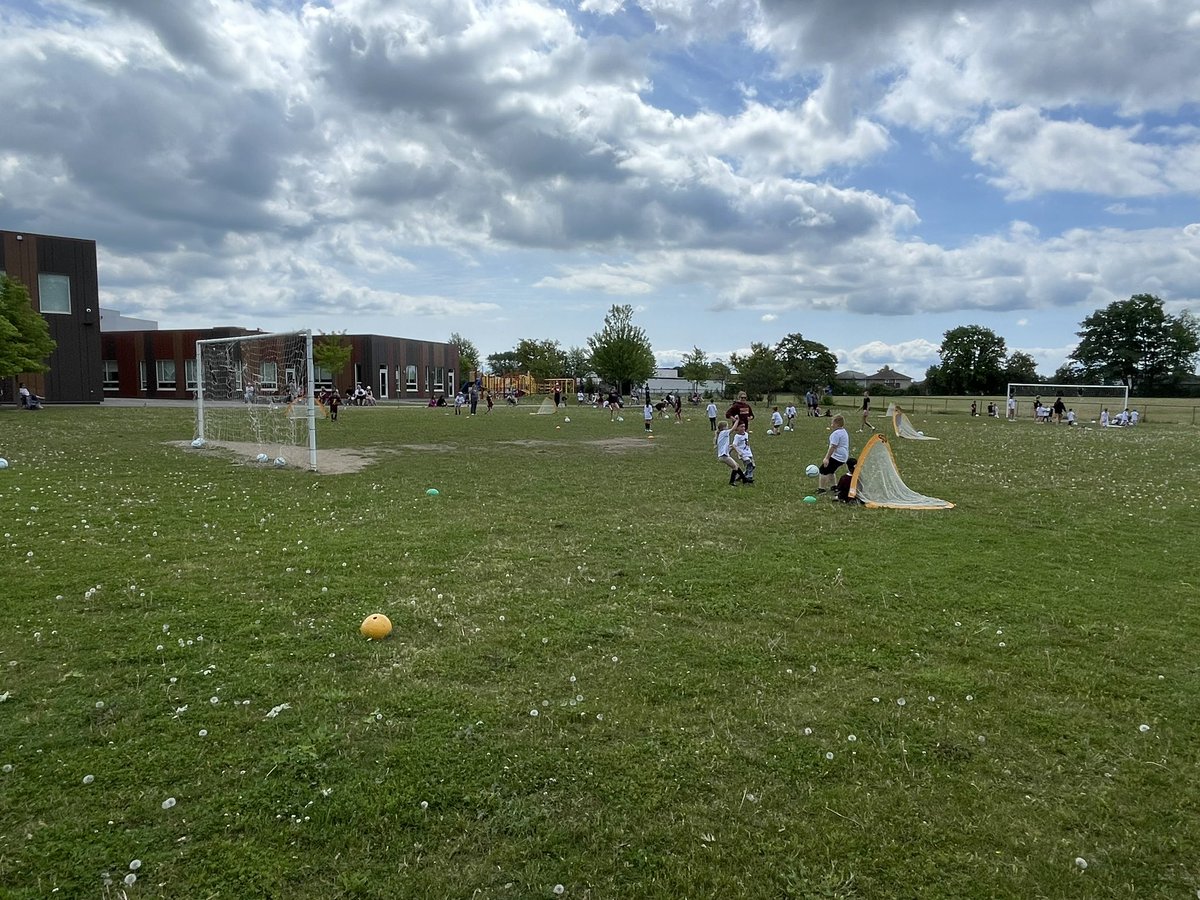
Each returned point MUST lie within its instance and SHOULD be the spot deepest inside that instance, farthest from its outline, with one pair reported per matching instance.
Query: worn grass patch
(610, 671)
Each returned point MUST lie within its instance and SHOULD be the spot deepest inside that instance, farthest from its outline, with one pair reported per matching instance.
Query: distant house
(851, 375)
(888, 378)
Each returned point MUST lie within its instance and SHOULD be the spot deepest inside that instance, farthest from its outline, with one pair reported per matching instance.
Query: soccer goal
(1086, 399)
(258, 390)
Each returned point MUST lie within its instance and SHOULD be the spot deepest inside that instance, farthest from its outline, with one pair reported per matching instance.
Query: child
(711, 411)
(790, 413)
(459, 400)
(721, 441)
(741, 446)
(648, 414)
(866, 410)
(1070, 417)
(836, 455)
(843, 485)
(776, 421)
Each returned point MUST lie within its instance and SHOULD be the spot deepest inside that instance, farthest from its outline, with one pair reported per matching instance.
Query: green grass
(677, 638)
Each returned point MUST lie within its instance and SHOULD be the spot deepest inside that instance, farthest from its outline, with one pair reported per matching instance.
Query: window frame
(44, 281)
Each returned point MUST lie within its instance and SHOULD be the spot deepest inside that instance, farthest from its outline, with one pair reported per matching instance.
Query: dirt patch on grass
(335, 461)
(621, 444)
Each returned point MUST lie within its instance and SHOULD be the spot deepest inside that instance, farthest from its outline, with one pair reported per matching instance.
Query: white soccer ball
(198, 442)
(280, 462)
(620, 418)
(812, 471)
(787, 427)
(3, 463)
(566, 418)
(262, 458)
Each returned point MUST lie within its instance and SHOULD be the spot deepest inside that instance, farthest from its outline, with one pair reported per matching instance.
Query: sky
(867, 173)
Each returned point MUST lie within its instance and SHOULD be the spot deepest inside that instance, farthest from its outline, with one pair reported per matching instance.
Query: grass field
(611, 675)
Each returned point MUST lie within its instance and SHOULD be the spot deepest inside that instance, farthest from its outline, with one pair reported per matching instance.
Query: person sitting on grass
(843, 485)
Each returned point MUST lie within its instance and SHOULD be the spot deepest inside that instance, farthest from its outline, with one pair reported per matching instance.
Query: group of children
(733, 445)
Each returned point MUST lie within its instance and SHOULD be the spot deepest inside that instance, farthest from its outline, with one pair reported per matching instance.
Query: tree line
(1134, 342)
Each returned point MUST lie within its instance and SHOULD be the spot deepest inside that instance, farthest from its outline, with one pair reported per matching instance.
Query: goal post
(1086, 399)
(257, 389)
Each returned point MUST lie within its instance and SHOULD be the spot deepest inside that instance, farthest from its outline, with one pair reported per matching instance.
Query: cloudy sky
(869, 173)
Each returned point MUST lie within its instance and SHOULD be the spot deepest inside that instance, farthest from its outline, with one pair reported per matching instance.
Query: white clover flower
(130, 879)
(203, 732)
(808, 731)
(1143, 728)
(168, 803)
(214, 700)
(558, 889)
(135, 865)
(88, 779)
(6, 768)
(534, 713)
(424, 804)
(1081, 862)
(829, 754)
(899, 701)
(851, 738)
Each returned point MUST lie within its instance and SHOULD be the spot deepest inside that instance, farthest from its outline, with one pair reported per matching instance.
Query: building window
(440, 379)
(323, 377)
(111, 381)
(268, 377)
(54, 294)
(410, 378)
(189, 374)
(166, 374)
(142, 375)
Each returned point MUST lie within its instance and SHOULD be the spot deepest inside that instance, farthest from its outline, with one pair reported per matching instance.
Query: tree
(541, 359)
(719, 371)
(332, 352)
(972, 361)
(504, 363)
(621, 352)
(695, 367)
(1021, 368)
(805, 363)
(468, 355)
(1136, 341)
(761, 373)
(25, 342)
(577, 363)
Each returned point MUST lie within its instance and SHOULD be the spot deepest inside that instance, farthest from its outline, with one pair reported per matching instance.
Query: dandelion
(168, 803)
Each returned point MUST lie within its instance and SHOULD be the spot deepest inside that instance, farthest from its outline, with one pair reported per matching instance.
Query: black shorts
(833, 466)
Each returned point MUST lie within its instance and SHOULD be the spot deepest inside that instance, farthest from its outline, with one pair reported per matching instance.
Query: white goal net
(1086, 399)
(258, 390)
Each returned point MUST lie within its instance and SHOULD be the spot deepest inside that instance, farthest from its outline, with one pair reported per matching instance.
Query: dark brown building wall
(75, 371)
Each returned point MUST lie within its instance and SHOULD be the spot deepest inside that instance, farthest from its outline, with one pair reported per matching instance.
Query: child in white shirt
(835, 456)
(722, 442)
(648, 413)
(776, 421)
(741, 446)
(790, 414)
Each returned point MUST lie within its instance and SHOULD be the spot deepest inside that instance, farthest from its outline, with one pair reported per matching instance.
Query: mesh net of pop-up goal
(257, 391)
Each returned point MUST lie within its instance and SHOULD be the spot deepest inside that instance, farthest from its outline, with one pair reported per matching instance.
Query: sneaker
(822, 490)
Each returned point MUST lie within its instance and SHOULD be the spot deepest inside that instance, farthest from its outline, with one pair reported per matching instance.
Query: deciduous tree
(1137, 342)
(805, 363)
(972, 361)
(1021, 367)
(468, 355)
(505, 362)
(25, 342)
(695, 366)
(621, 352)
(541, 359)
(332, 352)
(760, 372)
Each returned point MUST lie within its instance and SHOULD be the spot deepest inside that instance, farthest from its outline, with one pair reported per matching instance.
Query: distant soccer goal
(258, 389)
(1086, 399)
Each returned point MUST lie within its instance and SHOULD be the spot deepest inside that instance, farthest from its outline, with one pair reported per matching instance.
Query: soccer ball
(787, 427)
(280, 462)
(3, 463)
(620, 418)
(567, 419)
(262, 458)
(812, 471)
(376, 626)
(198, 442)
(810, 499)
(432, 492)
